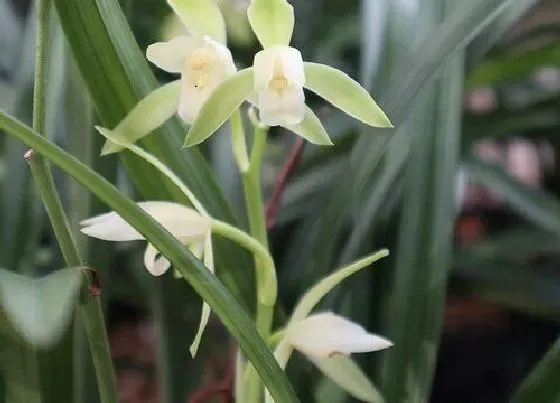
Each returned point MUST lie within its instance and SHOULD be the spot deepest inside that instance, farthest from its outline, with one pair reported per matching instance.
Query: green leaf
(117, 76)
(272, 21)
(204, 283)
(312, 297)
(201, 17)
(149, 114)
(344, 93)
(541, 385)
(223, 102)
(536, 205)
(342, 370)
(40, 308)
(312, 130)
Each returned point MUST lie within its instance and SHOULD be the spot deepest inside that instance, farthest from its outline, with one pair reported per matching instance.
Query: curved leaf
(312, 130)
(149, 114)
(201, 17)
(344, 93)
(322, 288)
(272, 21)
(223, 102)
(40, 308)
(203, 282)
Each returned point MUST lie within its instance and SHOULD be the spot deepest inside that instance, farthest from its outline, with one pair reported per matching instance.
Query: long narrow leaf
(209, 288)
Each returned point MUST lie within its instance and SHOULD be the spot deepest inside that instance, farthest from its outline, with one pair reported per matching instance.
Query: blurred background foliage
(465, 193)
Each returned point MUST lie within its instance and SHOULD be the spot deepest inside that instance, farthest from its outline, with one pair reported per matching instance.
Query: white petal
(324, 334)
(183, 222)
(171, 55)
(285, 57)
(282, 108)
(156, 266)
(109, 227)
(197, 83)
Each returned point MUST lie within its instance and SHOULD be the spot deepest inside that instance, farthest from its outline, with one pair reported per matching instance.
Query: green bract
(223, 102)
(272, 21)
(323, 287)
(344, 371)
(312, 130)
(149, 114)
(40, 308)
(201, 17)
(344, 93)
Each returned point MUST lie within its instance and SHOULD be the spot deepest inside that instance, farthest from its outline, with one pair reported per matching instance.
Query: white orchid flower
(186, 224)
(203, 64)
(275, 84)
(202, 59)
(279, 81)
(326, 334)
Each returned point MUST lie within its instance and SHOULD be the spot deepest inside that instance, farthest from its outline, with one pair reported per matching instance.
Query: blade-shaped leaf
(312, 130)
(40, 308)
(149, 114)
(542, 383)
(201, 17)
(342, 370)
(272, 21)
(312, 297)
(344, 93)
(536, 205)
(233, 316)
(223, 102)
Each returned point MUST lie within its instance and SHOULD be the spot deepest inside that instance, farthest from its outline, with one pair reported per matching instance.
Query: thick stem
(90, 306)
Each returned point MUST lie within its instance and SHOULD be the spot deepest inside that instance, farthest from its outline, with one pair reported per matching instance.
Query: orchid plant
(210, 92)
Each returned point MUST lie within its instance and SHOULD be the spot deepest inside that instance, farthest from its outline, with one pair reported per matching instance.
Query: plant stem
(257, 223)
(252, 391)
(90, 307)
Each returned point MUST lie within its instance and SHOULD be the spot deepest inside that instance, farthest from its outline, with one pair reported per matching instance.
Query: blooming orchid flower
(202, 59)
(203, 64)
(276, 81)
(328, 339)
(186, 224)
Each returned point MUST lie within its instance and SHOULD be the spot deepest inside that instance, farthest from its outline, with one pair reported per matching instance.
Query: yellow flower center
(279, 81)
(201, 61)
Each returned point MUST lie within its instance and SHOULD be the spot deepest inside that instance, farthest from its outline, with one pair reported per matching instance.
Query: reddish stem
(281, 181)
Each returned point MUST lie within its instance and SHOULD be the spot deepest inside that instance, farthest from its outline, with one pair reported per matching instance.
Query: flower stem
(252, 392)
(90, 308)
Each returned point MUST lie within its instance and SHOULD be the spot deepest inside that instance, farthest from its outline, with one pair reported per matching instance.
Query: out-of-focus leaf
(40, 308)
(528, 288)
(494, 32)
(425, 234)
(514, 65)
(541, 115)
(541, 385)
(455, 32)
(533, 204)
